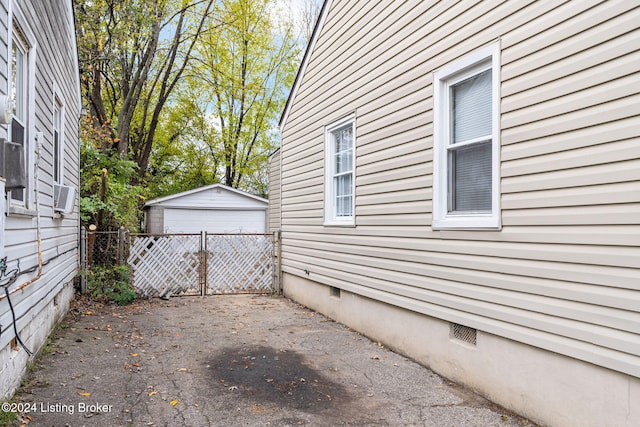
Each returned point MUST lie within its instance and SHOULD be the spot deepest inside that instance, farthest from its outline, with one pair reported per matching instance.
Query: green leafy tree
(107, 197)
(178, 95)
(243, 75)
(308, 16)
(185, 154)
(132, 55)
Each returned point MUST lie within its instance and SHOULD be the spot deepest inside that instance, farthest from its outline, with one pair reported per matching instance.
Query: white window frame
(21, 34)
(472, 64)
(57, 129)
(331, 216)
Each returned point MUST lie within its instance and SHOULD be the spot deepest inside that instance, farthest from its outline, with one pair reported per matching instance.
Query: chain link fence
(101, 249)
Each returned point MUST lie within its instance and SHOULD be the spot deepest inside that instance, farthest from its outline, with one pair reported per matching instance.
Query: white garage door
(213, 221)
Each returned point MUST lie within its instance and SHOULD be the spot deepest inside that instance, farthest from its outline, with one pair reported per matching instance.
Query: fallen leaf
(134, 355)
(174, 402)
(88, 313)
(84, 393)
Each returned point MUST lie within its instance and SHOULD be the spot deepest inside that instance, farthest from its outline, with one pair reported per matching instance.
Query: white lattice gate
(199, 264)
(239, 263)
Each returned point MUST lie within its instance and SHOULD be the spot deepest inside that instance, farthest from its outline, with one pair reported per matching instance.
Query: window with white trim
(57, 141)
(467, 142)
(18, 84)
(340, 172)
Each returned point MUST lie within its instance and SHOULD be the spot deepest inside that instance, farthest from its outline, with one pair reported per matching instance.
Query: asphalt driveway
(241, 360)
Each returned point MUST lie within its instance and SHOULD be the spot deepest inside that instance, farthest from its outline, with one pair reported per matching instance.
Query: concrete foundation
(13, 360)
(543, 386)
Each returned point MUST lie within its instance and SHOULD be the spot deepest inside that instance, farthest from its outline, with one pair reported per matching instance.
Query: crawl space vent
(334, 292)
(463, 333)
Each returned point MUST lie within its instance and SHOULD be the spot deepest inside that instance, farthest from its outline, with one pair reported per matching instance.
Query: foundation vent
(334, 292)
(463, 333)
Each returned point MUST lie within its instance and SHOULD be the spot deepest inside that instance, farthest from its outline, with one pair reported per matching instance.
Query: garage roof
(215, 196)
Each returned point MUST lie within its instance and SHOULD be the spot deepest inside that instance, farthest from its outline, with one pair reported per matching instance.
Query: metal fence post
(279, 261)
(83, 260)
(121, 235)
(203, 263)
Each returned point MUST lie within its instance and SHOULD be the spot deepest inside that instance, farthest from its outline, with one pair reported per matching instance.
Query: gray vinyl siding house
(38, 236)
(461, 181)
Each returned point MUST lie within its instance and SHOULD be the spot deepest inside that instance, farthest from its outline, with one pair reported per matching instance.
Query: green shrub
(110, 284)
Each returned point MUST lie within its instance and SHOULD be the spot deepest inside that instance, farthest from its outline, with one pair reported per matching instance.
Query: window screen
(471, 173)
(470, 144)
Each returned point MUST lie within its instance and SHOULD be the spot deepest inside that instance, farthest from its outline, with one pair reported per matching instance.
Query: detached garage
(215, 209)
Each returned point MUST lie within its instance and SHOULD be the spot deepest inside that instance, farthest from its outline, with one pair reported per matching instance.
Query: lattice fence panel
(166, 265)
(240, 263)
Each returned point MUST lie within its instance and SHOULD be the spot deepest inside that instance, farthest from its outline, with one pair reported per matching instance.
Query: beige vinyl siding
(563, 273)
(274, 210)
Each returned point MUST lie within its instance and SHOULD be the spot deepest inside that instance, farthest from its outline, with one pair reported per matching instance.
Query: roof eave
(303, 65)
(199, 189)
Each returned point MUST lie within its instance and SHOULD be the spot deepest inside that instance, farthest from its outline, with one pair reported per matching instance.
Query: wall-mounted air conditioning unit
(63, 198)
(12, 165)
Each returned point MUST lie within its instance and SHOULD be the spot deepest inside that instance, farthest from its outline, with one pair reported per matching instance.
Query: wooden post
(91, 239)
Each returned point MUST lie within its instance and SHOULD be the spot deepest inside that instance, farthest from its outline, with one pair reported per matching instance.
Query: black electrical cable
(21, 272)
(15, 328)
(11, 278)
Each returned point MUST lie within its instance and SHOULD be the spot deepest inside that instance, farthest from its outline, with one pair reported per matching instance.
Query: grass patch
(7, 418)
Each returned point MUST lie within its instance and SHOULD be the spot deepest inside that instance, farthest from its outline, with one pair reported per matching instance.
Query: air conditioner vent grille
(63, 198)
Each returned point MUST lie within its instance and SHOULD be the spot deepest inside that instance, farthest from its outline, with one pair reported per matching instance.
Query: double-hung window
(466, 142)
(18, 98)
(340, 172)
(57, 141)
